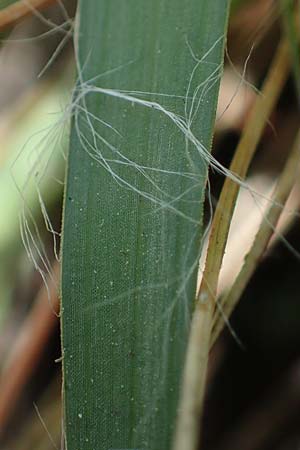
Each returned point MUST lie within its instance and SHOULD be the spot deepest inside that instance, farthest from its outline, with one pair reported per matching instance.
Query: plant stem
(193, 388)
(263, 236)
(27, 347)
(20, 9)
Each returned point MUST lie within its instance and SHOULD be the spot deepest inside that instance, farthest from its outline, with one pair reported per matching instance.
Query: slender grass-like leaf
(143, 115)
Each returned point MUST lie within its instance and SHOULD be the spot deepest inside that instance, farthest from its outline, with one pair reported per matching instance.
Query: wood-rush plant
(143, 115)
(136, 327)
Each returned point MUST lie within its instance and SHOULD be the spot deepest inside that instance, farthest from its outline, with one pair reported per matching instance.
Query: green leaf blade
(133, 214)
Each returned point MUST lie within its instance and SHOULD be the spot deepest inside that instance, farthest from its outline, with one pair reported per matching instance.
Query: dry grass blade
(263, 236)
(20, 9)
(187, 435)
(29, 344)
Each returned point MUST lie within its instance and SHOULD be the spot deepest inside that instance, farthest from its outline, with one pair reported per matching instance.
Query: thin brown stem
(15, 12)
(193, 388)
(282, 191)
(28, 346)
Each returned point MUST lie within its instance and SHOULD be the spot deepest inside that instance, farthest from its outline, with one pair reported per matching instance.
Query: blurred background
(253, 391)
